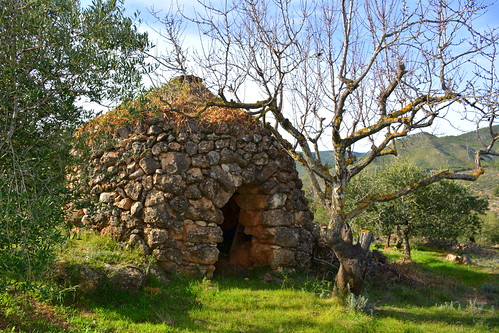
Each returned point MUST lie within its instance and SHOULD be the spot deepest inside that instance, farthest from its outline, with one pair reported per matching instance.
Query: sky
(453, 125)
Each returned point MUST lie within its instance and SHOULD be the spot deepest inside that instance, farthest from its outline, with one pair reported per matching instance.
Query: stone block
(175, 162)
(201, 254)
(250, 218)
(286, 237)
(157, 216)
(196, 234)
(154, 198)
(136, 208)
(173, 184)
(282, 258)
(277, 218)
(160, 147)
(155, 237)
(205, 147)
(252, 201)
(124, 204)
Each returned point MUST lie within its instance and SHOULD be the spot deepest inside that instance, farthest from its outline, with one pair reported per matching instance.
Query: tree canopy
(53, 53)
(441, 210)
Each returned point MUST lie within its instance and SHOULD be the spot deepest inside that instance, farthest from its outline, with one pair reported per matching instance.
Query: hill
(431, 152)
(448, 152)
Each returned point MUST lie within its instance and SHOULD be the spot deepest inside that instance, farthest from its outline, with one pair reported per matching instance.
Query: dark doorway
(236, 244)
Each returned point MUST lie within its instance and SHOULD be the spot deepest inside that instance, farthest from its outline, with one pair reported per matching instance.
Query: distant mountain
(448, 152)
(431, 152)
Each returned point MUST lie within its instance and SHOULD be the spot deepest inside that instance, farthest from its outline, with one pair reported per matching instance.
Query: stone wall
(194, 195)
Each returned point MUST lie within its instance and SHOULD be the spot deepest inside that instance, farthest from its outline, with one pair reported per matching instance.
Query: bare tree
(344, 73)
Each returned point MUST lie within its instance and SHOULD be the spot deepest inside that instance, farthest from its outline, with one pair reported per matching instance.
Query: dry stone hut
(196, 192)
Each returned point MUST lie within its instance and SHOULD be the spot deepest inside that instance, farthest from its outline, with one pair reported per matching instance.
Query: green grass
(98, 251)
(433, 296)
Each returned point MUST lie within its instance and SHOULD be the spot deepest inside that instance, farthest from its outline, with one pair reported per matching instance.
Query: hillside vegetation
(430, 152)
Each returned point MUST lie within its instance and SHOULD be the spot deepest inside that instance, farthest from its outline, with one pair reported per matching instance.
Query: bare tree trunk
(387, 244)
(407, 246)
(398, 245)
(353, 260)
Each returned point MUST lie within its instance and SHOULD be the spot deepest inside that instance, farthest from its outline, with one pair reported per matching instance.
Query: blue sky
(442, 127)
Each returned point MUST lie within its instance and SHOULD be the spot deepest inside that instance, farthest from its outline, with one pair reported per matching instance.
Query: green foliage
(53, 54)
(445, 209)
(358, 303)
(489, 233)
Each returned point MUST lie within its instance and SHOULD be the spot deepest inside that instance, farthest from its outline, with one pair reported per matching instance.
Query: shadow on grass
(155, 304)
(459, 318)
(432, 290)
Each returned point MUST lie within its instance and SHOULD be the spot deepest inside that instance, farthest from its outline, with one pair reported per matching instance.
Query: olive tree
(339, 74)
(52, 54)
(444, 209)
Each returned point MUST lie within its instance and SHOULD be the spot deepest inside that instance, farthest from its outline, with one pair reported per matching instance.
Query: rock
(160, 147)
(137, 148)
(89, 279)
(128, 278)
(154, 198)
(179, 204)
(193, 192)
(277, 218)
(149, 164)
(174, 162)
(154, 130)
(109, 158)
(123, 132)
(205, 147)
(191, 148)
(465, 259)
(452, 257)
(124, 204)
(157, 216)
(107, 197)
(137, 174)
(155, 237)
(260, 158)
(133, 190)
(173, 184)
(286, 237)
(202, 254)
(282, 258)
(197, 234)
(156, 271)
(277, 200)
(213, 157)
(194, 175)
(136, 208)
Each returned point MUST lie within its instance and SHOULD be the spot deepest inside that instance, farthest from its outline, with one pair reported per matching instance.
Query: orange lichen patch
(478, 172)
(178, 101)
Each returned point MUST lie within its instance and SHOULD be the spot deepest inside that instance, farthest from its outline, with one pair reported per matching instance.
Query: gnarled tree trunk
(353, 258)
(407, 246)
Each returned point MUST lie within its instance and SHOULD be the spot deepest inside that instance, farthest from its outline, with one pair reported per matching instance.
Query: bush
(489, 234)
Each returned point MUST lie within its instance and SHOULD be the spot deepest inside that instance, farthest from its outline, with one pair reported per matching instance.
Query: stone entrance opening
(235, 249)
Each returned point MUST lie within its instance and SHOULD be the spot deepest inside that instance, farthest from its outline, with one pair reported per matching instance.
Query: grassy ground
(428, 296)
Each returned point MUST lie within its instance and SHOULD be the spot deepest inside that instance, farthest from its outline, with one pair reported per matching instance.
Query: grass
(427, 296)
